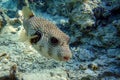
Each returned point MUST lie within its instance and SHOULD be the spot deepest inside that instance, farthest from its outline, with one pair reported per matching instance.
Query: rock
(9, 4)
(81, 15)
(116, 23)
(118, 57)
(93, 66)
(88, 78)
(113, 52)
(44, 75)
(85, 55)
(111, 71)
(88, 71)
(109, 78)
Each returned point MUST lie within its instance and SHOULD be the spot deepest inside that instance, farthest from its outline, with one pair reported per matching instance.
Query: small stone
(59, 75)
(93, 66)
(83, 67)
(52, 74)
(62, 21)
(5, 61)
(3, 54)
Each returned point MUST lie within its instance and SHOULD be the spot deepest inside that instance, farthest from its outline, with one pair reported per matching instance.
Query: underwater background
(94, 30)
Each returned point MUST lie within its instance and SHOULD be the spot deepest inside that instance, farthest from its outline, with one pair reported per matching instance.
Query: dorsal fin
(27, 13)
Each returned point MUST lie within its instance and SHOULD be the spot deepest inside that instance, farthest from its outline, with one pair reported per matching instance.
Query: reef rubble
(94, 29)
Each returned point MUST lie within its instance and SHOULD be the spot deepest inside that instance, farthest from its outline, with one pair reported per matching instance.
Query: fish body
(46, 37)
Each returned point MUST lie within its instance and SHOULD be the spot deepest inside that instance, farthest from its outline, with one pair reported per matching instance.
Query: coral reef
(94, 29)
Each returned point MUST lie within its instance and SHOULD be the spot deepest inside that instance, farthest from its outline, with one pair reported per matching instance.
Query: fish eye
(36, 37)
(54, 41)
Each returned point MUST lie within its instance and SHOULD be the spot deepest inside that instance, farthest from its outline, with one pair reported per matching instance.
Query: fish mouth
(64, 58)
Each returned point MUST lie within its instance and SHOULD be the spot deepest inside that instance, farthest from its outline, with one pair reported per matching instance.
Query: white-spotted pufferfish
(46, 37)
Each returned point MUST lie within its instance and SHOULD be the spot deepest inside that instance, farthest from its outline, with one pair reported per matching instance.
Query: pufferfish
(46, 37)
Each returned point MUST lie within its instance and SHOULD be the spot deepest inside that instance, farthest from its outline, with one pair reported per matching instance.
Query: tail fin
(27, 13)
